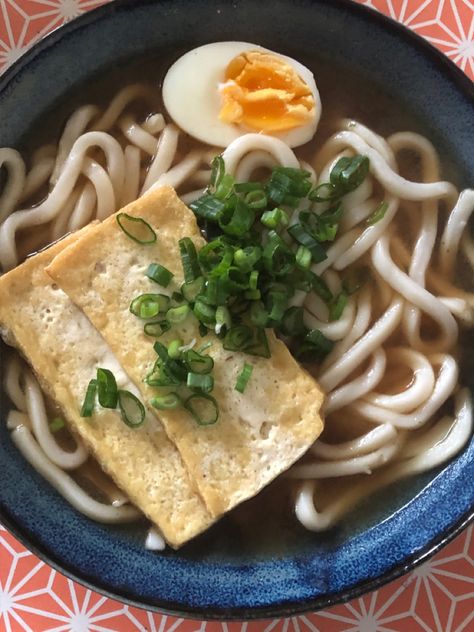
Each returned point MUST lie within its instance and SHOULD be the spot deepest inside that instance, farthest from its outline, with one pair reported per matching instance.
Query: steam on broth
(394, 406)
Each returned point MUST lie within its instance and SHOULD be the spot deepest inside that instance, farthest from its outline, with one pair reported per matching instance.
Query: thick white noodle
(83, 209)
(39, 423)
(359, 386)
(363, 348)
(66, 486)
(433, 455)
(164, 157)
(417, 392)
(136, 135)
(121, 101)
(15, 165)
(49, 209)
(369, 442)
(333, 330)
(175, 176)
(363, 464)
(457, 222)
(255, 159)
(445, 384)
(37, 177)
(12, 382)
(131, 186)
(76, 126)
(238, 148)
(414, 293)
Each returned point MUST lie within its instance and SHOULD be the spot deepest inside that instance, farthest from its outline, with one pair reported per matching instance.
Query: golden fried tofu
(64, 350)
(259, 433)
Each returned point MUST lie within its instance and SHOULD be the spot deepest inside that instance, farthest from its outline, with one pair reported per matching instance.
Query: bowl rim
(465, 85)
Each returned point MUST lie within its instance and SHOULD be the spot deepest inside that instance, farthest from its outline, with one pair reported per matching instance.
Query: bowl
(222, 574)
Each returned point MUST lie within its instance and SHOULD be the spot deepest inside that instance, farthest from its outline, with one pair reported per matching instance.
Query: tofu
(260, 433)
(64, 350)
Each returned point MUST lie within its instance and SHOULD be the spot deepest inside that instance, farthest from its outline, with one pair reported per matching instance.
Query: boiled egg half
(220, 91)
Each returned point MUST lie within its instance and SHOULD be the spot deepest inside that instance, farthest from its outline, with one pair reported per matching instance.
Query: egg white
(192, 99)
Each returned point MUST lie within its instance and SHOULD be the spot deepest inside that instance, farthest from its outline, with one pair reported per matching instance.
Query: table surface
(438, 596)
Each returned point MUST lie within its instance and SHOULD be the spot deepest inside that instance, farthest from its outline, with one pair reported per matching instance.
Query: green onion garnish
(189, 259)
(89, 400)
(157, 328)
(304, 237)
(136, 228)
(201, 382)
(107, 388)
(246, 258)
(203, 408)
(243, 378)
(315, 347)
(277, 257)
(275, 218)
(178, 314)
(56, 424)
(256, 199)
(192, 288)
(325, 192)
(166, 402)
(237, 338)
(238, 220)
(303, 257)
(159, 274)
(197, 362)
(348, 173)
(174, 349)
(378, 214)
(217, 173)
(223, 318)
(132, 410)
(205, 313)
(149, 305)
(337, 306)
(292, 323)
(208, 207)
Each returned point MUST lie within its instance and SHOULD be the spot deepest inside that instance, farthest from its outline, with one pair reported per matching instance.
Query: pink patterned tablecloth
(436, 597)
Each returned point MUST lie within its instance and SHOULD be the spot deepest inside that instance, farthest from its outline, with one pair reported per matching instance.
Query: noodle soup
(395, 405)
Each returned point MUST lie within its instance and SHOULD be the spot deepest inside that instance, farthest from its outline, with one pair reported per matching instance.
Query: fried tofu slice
(259, 433)
(64, 350)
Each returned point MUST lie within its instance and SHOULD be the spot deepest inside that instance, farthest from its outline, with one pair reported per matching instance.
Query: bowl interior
(366, 68)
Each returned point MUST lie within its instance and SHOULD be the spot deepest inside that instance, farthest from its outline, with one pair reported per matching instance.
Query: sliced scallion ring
(149, 305)
(166, 402)
(89, 399)
(136, 228)
(200, 382)
(243, 378)
(203, 408)
(132, 410)
(107, 388)
(159, 274)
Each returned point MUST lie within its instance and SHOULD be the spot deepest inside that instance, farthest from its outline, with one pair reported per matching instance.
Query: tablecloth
(436, 597)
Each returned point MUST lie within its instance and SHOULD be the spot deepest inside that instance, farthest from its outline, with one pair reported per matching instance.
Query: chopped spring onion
(301, 235)
(378, 214)
(189, 259)
(303, 257)
(287, 186)
(197, 362)
(178, 314)
(157, 328)
(243, 378)
(258, 314)
(256, 199)
(56, 424)
(223, 318)
(325, 192)
(89, 400)
(107, 388)
(237, 221)
(246, 258)
(237, 338)
(203, 408)
(166, 402)
(292, 323)
(315, 347)
(192, 288)
(174, 349)
(149, 305)
(337, 306)
(348, 173)
(277, 218)
(277, 257)
(205, 313)
(132, 410)
(159, 274)
(217, 173)
(200, 381)
(208, 207)
(318, 285)
(136, 228)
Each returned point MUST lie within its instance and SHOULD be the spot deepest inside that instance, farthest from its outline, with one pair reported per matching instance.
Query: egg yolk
(264, 93)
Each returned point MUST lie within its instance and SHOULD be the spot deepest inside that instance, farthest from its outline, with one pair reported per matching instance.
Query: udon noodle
(394, 406)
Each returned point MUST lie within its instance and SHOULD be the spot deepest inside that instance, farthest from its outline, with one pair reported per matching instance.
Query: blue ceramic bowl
(221, 575)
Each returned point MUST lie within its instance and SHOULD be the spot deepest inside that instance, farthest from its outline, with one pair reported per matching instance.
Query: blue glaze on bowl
(218, 576)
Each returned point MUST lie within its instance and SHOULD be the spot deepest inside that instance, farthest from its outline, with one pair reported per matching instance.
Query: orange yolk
(264, 93)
